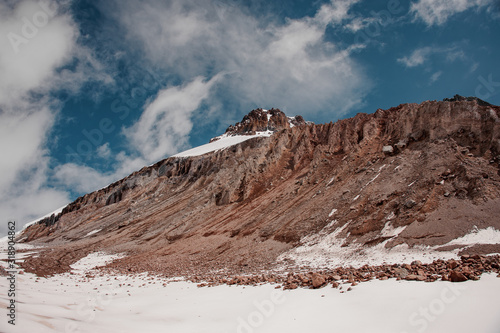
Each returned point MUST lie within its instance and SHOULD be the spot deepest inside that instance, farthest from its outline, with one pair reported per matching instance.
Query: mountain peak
(262, 120)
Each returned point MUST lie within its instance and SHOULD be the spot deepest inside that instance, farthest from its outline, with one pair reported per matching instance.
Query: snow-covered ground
(326, 249)
(223, 142)
(74, 303)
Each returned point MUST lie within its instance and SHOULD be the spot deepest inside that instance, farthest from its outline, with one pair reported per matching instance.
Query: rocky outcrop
(243, 207)
(458, 98)
(261, 120)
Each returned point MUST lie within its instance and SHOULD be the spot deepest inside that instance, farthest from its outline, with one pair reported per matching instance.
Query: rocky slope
(416, 176)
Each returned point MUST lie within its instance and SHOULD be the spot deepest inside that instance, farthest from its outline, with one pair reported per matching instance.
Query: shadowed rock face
(240, 208)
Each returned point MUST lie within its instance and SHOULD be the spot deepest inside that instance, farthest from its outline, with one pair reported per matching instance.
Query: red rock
(452, 264)
(318, 280)
(248, 187)
(457, 277)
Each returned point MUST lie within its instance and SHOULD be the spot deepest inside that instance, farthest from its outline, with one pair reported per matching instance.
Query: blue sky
(91, 91)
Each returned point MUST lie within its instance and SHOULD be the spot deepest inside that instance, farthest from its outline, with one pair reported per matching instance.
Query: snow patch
(327, 250)
(376, 176)
(224, 142)
(92, 232)
(95, 259)
(390, 231)
(332, 212)
(489, 235)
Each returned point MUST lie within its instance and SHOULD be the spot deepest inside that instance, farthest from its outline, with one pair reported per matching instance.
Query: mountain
(414, 181)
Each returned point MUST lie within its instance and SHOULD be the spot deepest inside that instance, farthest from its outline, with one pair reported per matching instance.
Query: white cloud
(24, 168)
(358, 23)
(269, 63)
(162, 130)
(165, 124)
(82, 178)
(221, 54)
(104, 151)
(437, 12)
(435, 76)
(422, 55)
(418, 57)
(37, 38)
(474, 67)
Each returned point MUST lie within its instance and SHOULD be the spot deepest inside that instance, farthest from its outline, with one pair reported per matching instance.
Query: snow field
(122, 304)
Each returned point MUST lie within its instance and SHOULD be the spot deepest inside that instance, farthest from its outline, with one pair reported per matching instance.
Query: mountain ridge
(251, 206)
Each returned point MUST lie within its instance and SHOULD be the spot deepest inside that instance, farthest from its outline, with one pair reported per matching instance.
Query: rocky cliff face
(261, 120)
(413, 175)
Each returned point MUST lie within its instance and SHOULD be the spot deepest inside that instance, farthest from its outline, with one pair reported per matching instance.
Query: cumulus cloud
(38, 38)
(164, 126)
(437, 12)
(268, 63)
(213, 54)
(82, 178)
(26, 63)
(162, 130)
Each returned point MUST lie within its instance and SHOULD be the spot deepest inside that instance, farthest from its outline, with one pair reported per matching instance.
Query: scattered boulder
(388, 150)
(457, 277)
(317, 280)
(411, 277)
(452, 264)
(410, 204)
(401, 272)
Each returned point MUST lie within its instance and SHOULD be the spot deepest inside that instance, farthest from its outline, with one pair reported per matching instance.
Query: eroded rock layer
(417, 174)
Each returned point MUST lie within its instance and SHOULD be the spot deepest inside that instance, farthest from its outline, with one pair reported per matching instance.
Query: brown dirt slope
(433, 167)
